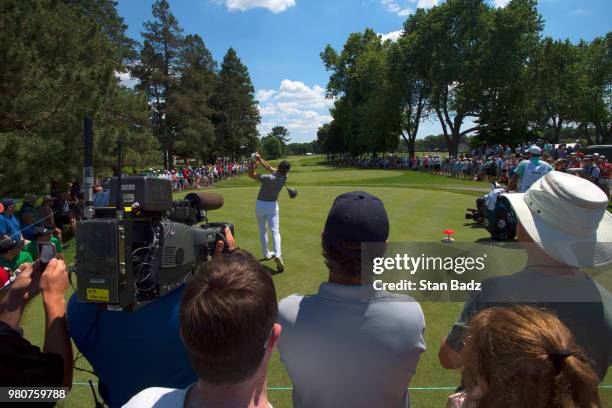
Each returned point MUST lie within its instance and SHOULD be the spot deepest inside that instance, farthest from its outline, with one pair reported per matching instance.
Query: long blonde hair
(527, 358)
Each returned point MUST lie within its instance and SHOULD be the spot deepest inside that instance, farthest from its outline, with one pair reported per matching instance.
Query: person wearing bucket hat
(563, 226)
(528, 171)
(331, 339)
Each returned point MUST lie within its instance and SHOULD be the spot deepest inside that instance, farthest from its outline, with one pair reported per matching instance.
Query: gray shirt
(581, 304)
(342, 351)
(271, 185)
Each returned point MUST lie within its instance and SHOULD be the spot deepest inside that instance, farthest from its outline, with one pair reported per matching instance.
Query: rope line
(409, 388)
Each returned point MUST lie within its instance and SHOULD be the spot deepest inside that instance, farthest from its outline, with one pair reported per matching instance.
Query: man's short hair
(227, 314)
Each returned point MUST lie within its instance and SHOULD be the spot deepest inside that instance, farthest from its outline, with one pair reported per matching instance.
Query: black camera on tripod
(146, 245)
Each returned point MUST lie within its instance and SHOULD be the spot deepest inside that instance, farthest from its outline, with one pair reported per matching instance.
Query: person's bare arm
(266, 164)
(14, 298)
(449, 358)
(53, 285)
(252, 171)
(513, 182)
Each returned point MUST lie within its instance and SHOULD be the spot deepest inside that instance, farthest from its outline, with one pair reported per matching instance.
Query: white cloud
(428, 3)
(264, 94)
(391, 5)
(580, 12)
(126, 80)
(393, 35)
(275, 6)
(300, 108)
(501, 3)
(397, 6)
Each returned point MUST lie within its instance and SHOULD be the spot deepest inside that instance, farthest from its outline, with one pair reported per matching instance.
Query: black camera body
(145, 246)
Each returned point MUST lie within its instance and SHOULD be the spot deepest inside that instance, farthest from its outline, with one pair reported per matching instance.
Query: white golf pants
(268, 217)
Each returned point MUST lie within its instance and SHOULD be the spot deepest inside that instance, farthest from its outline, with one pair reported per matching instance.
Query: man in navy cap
(9, 224)
(340, 347)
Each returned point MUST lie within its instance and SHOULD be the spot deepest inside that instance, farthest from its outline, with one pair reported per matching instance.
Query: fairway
(417, 213)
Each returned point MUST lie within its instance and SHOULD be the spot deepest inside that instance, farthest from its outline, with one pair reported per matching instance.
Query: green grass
(417, 213)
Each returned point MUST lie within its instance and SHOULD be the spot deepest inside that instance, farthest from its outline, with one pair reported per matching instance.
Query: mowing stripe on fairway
(409, 388)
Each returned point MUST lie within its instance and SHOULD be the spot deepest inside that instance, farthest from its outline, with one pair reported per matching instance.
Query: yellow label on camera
(95, 294)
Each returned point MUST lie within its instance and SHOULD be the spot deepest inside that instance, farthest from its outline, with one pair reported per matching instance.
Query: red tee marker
(1, 208)
(448, 237)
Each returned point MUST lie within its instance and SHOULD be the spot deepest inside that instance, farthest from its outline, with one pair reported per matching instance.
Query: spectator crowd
(199, 176)
(540, 338)
(496, 162)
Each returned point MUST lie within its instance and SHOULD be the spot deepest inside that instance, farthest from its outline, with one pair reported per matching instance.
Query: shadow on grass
(271, 271)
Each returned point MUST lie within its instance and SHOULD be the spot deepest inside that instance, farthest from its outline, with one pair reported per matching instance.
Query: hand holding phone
(46, 252)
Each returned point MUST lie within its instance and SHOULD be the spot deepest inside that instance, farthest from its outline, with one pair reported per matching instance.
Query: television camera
(146, 245)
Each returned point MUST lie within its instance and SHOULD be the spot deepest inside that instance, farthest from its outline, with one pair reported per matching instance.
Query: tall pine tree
(158, 71)
(238, 113)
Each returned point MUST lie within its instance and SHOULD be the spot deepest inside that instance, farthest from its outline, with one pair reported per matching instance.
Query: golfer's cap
(8, 244)
(30, 198)
(7, 202)
(42, 231)
(534, 150)
(356, 217)
(285, 165)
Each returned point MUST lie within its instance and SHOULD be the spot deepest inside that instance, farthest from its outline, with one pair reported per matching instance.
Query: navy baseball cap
(356, 217)
(7, 202)
(9, 244)
(285, 165)
(41, 231)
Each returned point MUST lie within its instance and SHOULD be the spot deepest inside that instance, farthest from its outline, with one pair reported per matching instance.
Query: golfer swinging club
(266, 207)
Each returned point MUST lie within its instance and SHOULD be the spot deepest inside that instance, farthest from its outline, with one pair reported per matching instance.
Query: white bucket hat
(567, 217)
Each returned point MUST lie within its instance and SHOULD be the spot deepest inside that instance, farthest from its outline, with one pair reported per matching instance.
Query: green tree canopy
(237, 111)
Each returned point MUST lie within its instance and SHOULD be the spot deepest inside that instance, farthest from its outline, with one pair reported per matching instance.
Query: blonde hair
(528, 358)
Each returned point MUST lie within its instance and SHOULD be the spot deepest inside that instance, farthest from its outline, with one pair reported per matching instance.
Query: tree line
(477, 70)
(62, 61)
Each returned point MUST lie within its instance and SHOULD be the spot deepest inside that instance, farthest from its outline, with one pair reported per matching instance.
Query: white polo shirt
(342, 351)
(158, 397)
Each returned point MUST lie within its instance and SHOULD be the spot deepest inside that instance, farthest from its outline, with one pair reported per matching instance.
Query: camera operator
(131, 351)
(21, 363)
(228, 324)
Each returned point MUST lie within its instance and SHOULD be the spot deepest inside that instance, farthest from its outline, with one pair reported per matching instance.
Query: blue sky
(280, 41)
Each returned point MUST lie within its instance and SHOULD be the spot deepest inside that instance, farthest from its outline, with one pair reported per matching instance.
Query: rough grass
(416, 214)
